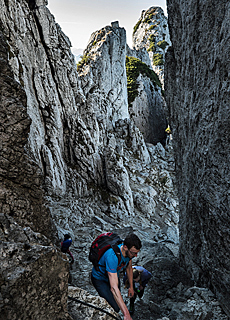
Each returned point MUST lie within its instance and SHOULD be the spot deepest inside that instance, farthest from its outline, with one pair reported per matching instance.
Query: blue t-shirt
(65, 245)
(109, 263)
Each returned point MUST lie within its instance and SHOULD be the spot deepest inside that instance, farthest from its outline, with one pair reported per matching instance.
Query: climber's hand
(130, 292)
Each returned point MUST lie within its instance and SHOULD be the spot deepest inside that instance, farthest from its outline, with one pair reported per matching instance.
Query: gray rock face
(150, 42)
(79, 144)
(103, 76)
(170, 293)
(21, 194)
(33, 275)
(41, 60)
(79, 311)
(151, 32)
(80, 147)
(197, 94)
(147, 111)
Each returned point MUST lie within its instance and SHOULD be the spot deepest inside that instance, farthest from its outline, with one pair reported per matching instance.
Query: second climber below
(141, 277)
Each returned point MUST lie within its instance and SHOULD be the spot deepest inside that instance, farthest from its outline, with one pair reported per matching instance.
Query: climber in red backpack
(105, 273)
(65, 244)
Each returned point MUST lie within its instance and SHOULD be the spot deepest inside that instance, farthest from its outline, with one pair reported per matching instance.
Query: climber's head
(136, 275)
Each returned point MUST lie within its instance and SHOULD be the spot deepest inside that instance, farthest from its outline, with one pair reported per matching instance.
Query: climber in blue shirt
(106, 279)
(65, 244)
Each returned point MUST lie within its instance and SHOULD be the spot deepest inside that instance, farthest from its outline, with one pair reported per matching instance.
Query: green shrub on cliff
(162, 44)
(148, 19)
(152, 46)
(134, 67)
(136, 26)
(84, 59)
(152, 27)
(158, 59)
(152, 38)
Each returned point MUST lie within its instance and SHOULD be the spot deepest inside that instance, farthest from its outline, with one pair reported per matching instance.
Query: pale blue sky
(80, 18)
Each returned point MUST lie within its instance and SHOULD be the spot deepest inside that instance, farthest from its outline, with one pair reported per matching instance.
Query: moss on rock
(134, 67)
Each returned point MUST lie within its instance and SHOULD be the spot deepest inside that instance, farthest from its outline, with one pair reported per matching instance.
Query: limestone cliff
(147, 110)
(197, 94)
(70, 148)
(76, 158)
(21, 193)
(151, 32)
(33, 275)
(103, 76)
(150, 43)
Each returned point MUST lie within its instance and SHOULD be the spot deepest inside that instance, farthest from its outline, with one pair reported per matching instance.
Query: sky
(80, 18)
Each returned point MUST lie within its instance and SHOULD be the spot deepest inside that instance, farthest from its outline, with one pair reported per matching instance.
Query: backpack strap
(117, 251)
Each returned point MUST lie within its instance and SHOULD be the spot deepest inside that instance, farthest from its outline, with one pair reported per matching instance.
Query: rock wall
(34, 275)
(21, 194)
(70, 148)
(151, 32)
(150, 42)
(67, 133)
(148, 111)
(90, 311)
(197, 94)
(103, 76)
(41, 61)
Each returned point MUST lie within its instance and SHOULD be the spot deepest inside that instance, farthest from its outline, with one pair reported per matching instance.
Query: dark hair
(132, 241)
(66, 236)
(136, 273)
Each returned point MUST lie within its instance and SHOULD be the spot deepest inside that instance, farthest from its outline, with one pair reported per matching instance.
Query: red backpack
(101, 244)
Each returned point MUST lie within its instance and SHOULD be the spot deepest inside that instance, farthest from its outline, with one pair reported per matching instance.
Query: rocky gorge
(81, 154)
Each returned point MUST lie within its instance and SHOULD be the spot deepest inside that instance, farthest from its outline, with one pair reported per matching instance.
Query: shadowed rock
(197, 95)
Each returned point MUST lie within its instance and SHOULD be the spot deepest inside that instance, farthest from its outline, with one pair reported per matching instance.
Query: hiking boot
(131, 309)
